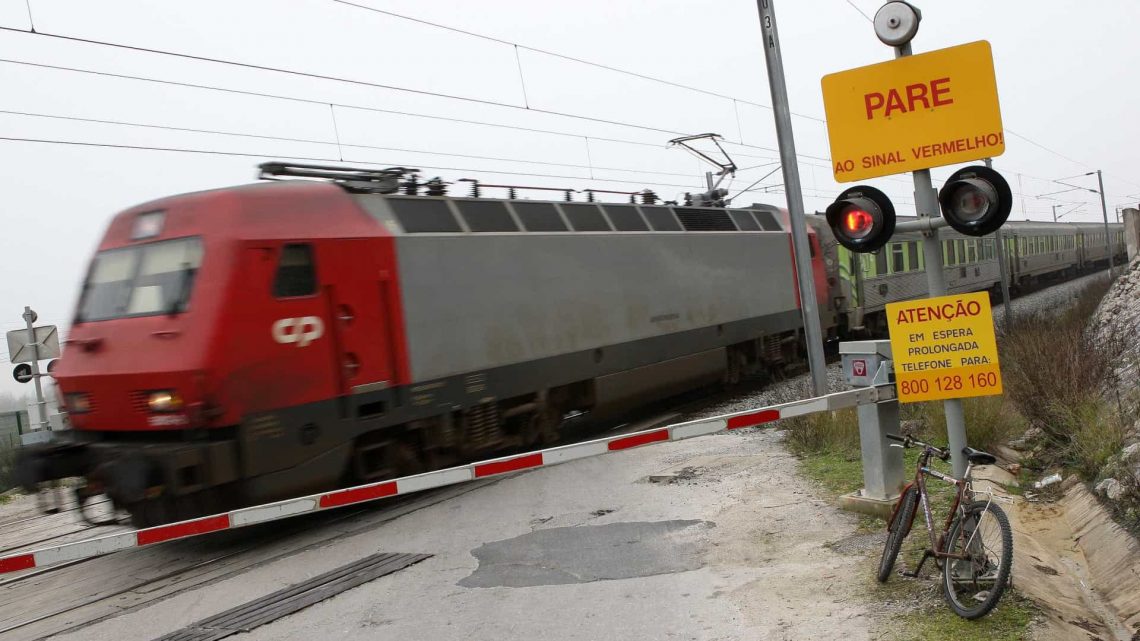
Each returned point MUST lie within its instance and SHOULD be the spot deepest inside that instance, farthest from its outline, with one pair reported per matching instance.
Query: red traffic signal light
(862, 218)
(975, 201)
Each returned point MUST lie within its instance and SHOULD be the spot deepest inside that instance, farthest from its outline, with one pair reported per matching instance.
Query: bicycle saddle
(978, 457)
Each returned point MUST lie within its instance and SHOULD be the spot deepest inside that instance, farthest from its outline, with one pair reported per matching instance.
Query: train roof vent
(704, 219)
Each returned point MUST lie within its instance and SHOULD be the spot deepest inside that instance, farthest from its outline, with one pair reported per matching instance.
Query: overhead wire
(360, 107)
(294, 72)
(333, 143)
(363, 83)
(215, 152)
(555, 54)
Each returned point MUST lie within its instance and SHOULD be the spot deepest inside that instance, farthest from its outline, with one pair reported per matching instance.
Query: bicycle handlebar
(909, 441)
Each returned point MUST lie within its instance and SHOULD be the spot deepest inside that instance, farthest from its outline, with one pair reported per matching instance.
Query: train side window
(867, 264)
(960, 252)
(296, 274)
(897, 258)
(912, 251)
(972, 251)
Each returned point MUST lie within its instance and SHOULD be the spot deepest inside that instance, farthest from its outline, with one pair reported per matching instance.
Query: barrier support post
(866, 364)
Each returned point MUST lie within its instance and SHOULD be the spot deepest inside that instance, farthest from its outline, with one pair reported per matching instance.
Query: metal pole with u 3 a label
(809, 306)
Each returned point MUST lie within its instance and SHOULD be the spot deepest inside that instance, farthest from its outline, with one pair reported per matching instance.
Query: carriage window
(296, 275)
(912, 251)
(881, 262)
(897, 261)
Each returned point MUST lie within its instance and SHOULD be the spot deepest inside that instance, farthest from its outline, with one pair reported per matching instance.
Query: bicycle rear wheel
(898, 529)
(973, 585)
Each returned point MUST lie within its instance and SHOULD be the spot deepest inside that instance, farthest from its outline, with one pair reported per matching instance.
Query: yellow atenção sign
(944, 348)
(932, 109)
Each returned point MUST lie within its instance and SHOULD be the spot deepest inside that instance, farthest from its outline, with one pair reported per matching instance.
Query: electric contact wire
(555, 54)
(323, 103)
(365, 83)
(394, 88)
(220, 132)
(324, 159)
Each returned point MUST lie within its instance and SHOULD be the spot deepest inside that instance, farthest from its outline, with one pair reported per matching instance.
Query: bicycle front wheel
(973, 585)
(897, 531)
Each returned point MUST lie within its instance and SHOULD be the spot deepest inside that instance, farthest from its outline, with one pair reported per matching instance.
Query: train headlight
(164, 401)
(975, 201)
(862, 218)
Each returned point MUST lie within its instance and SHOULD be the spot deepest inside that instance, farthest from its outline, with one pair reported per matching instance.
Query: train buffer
(119, 541)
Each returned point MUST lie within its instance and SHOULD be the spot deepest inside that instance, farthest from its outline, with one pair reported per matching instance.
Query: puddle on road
(586, 553)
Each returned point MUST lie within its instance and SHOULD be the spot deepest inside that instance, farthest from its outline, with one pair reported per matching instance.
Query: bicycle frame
(937, 543)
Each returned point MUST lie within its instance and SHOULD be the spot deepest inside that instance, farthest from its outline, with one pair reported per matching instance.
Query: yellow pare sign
(944, 348)
(917, 112)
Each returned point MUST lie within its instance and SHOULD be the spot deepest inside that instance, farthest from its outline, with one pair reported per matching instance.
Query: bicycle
(975, 549)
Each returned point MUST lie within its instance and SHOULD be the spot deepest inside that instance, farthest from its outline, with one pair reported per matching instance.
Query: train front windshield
(143, 280)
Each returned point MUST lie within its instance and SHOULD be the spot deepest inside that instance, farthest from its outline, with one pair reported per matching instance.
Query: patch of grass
(1095, 435)
(1011, 620)
(838, 472)
(990, 421)
(824, 432)
(1050, 361)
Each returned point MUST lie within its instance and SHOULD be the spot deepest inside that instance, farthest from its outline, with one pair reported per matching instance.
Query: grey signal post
(804, 275)
(41, 405)
(926, 203)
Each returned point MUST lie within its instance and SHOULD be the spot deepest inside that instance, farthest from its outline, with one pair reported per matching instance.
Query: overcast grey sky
(1066, 77)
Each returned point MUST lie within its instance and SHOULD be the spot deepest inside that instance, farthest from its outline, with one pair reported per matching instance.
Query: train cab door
(279, 342)
(359, 321)
(281, 378)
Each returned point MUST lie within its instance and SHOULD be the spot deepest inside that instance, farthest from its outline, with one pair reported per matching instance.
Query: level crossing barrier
(98, 546)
